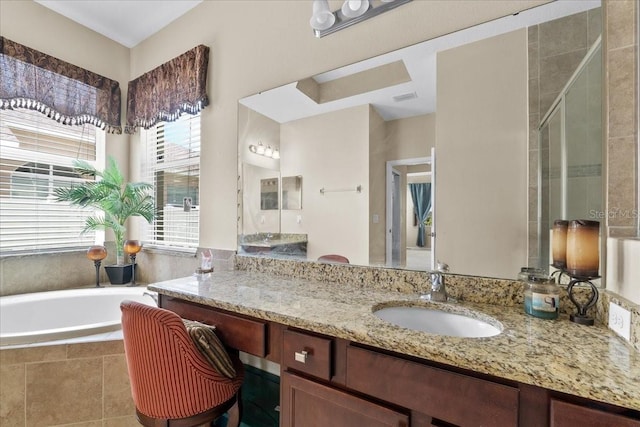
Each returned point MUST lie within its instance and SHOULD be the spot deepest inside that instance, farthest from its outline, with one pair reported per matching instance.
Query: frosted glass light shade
(354, 8)
(322, 17)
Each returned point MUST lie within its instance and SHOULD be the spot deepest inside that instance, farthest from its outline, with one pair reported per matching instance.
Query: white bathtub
(57, 315)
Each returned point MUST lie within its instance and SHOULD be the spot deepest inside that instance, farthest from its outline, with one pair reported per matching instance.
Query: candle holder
(97, 254)
(581, 316)
(131, 248)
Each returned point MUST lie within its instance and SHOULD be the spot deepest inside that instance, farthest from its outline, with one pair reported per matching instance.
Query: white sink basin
(438, 322)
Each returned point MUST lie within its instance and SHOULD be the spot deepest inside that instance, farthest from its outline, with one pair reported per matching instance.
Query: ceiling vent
(405, 97)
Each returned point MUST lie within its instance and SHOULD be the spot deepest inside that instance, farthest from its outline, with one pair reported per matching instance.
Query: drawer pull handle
(301, 356)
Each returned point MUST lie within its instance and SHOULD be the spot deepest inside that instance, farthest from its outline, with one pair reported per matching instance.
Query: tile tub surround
(590, 362)
(69, 384)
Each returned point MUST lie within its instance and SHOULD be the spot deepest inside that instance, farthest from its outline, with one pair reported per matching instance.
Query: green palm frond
(109, 193)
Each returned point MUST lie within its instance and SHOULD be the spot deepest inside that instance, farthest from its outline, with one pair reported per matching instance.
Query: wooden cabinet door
(305, 403)
(565, 414)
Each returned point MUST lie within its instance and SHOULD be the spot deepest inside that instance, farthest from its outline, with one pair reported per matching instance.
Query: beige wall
(248, 54)
(481, 156)
(378, 147)
(330, 157)
(411, 137)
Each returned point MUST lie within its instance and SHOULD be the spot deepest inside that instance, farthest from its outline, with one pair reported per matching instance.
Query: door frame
(389, 200)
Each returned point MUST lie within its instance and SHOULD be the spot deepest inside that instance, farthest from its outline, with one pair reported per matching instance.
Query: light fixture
(354, 8)
(267, 151)
(325, 22)
(322, 18)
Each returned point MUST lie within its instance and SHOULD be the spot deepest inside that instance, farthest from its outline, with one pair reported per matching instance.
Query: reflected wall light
(267, 151)
(325, 22)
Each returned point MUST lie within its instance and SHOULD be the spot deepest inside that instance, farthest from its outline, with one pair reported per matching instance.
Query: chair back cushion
(209, 345)
(169, 377)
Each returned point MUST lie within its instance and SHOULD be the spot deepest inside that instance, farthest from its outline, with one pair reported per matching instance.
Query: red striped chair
(172, 383)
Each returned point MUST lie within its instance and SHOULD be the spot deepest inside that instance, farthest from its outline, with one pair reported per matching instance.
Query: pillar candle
(583, 248)
(559, 243)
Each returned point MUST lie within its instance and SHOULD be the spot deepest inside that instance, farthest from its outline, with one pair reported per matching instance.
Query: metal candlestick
(97, 254)
(132, 247)
(133, 270)
(581, 316)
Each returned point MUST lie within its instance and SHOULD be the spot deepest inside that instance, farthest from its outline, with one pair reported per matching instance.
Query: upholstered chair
(333, 258)
(172, 382)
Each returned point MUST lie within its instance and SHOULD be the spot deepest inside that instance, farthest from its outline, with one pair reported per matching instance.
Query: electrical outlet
(620, 320)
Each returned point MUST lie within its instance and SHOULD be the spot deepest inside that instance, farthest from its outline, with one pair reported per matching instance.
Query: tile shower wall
(71, 384)
(555, 49)
(621, 120)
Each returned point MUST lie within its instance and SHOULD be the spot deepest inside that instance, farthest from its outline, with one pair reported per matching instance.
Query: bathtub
(57, 315)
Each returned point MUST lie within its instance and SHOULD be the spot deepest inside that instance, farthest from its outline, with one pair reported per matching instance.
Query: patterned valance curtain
(175, 87)
(64, 92)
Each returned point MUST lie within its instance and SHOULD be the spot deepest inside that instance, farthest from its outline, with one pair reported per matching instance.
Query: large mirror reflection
(432, 152)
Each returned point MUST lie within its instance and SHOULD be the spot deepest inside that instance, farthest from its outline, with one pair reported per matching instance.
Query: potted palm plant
(117, 199)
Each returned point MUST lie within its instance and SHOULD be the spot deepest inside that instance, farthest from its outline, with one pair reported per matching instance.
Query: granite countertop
(587, 361)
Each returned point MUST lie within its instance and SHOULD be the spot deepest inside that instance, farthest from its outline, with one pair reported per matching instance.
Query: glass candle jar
(559, 243)
(583, 248)
(541, 298)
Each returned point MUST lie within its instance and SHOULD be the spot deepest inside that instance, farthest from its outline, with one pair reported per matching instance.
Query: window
(36, 156)
(172, 165)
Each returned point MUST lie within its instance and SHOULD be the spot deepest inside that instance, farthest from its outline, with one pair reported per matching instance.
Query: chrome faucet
(153, 295)
(438, 290)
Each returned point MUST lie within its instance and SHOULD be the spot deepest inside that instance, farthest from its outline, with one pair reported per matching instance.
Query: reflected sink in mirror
(439, 322)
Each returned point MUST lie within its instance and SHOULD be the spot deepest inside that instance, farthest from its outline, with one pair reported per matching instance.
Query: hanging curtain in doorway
(164, 93)
(421, 196)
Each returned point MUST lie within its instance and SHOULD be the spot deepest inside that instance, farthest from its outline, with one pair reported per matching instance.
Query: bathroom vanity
(342, 366)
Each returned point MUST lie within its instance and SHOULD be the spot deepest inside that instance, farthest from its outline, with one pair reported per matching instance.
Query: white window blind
(36, 156)
(172, 165)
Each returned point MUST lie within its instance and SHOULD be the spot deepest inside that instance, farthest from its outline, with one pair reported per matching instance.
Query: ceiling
(127, 22)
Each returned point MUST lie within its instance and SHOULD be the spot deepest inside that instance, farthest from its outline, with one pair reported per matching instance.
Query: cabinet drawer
(307, 353)
(446, 396)
(306, 403)
(565, 414)
(241, 333)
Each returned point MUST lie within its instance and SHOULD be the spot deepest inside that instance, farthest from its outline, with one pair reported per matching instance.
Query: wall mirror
(362, 137)
(291, 192)
(269, 192)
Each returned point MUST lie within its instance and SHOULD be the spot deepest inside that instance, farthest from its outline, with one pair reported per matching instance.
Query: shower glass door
(570, 163)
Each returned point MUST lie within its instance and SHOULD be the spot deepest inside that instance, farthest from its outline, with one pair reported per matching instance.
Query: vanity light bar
(273, 153)
(342, 21)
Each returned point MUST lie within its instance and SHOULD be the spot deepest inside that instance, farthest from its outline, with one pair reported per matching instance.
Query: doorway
(403, 248)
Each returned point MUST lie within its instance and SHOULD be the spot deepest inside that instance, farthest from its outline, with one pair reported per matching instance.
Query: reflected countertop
(587, 361)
